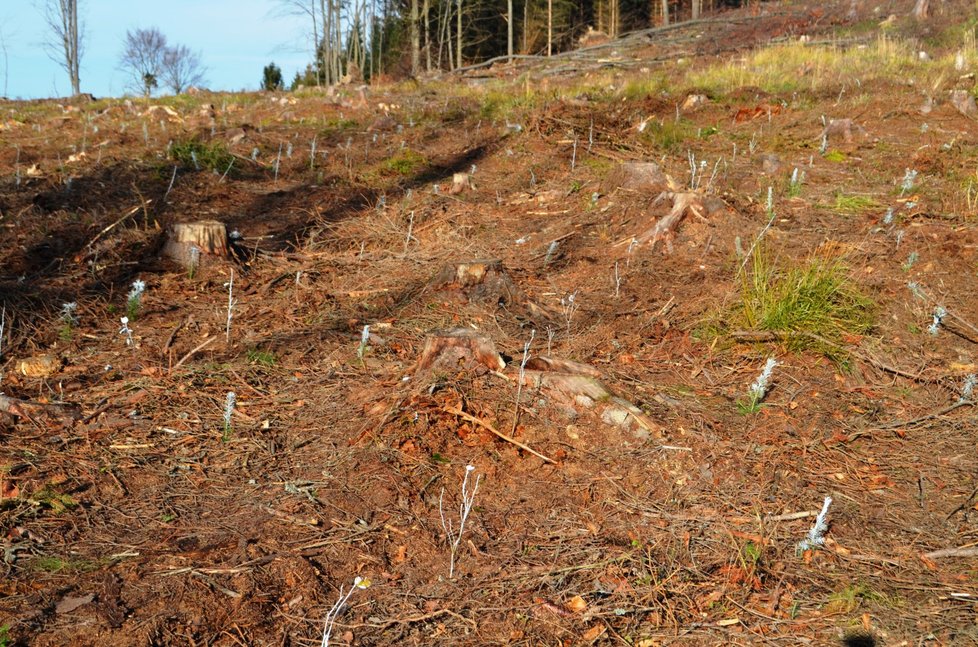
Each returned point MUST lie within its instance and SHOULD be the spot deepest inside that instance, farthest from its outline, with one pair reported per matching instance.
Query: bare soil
(147, 522)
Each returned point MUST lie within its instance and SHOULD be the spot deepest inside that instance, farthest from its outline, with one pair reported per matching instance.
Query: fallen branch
(116, 223)
(963, 551)
(485, 425)
(200, 347)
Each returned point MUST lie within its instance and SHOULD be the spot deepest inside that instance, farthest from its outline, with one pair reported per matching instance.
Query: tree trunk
(75, 51)
(509, 29)
(550, 27)
(427, 34)
(415, 40)
(458, 41)
(665, 12)
(697, 8)
(526, 22)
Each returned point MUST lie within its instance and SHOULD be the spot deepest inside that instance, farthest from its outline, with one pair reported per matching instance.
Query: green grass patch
(261, 357)
(835, 156)
(810, 305)
(669, 135)
(854, 204)
(406, 162)
(198, 155)
(852, 597)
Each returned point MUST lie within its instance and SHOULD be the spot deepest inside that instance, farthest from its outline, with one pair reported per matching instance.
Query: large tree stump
(208, 237)
(457, 348)
(641, 177)
(573, 386)
(481, 280)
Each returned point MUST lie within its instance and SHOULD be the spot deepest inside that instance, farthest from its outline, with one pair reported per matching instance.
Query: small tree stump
(208, 237)
(459, 348)
(964, 102)
(460, 182)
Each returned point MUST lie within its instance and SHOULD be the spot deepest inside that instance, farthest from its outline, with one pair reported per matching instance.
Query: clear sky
(234, 38)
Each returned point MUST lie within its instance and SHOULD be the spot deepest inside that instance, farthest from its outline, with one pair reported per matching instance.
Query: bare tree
(65, 43)
(181, 69)
(142, 57)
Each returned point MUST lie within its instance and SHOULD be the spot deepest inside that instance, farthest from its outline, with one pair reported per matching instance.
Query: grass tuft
(805, 303)
(195, 154)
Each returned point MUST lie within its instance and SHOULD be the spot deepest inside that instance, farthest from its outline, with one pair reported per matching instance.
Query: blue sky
(235, 40)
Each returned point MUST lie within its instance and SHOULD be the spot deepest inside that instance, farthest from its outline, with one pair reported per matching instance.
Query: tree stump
(642, 177)
(208, 237)
(459, 348)
(480, 280)
(573, 386)
(460, 182)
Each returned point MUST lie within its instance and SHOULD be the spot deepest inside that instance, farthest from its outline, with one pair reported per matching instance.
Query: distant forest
(360, 39)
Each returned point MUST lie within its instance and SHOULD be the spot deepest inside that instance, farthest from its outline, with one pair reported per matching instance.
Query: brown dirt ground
(140, 525)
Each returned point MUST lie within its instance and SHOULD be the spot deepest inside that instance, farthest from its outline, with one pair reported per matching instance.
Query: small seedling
(551, 250)
(334, 611)
(794, 185)
(229, 402)
(758, 390)
(454, 535)
(816, 536)
(231, 304)
(519, 383)
(364, 340)
(935, 326)
(906, 185)
(194, 262)
(68, 320)
(569, 306)
(910, 262)
(968, 388)
(134, 302)
(126, 330)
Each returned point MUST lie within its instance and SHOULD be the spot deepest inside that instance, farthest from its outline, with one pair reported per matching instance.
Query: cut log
(208, 237)
(459, 348)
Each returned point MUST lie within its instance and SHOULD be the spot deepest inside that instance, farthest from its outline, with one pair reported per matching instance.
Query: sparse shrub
(200, 156)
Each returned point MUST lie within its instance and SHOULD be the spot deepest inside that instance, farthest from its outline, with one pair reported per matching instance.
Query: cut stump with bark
(459, 348)
(460, 183)
(481, 280)
(485, 281)
(574, 386)
(701, 206)
(208, 237)
(641, 177)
